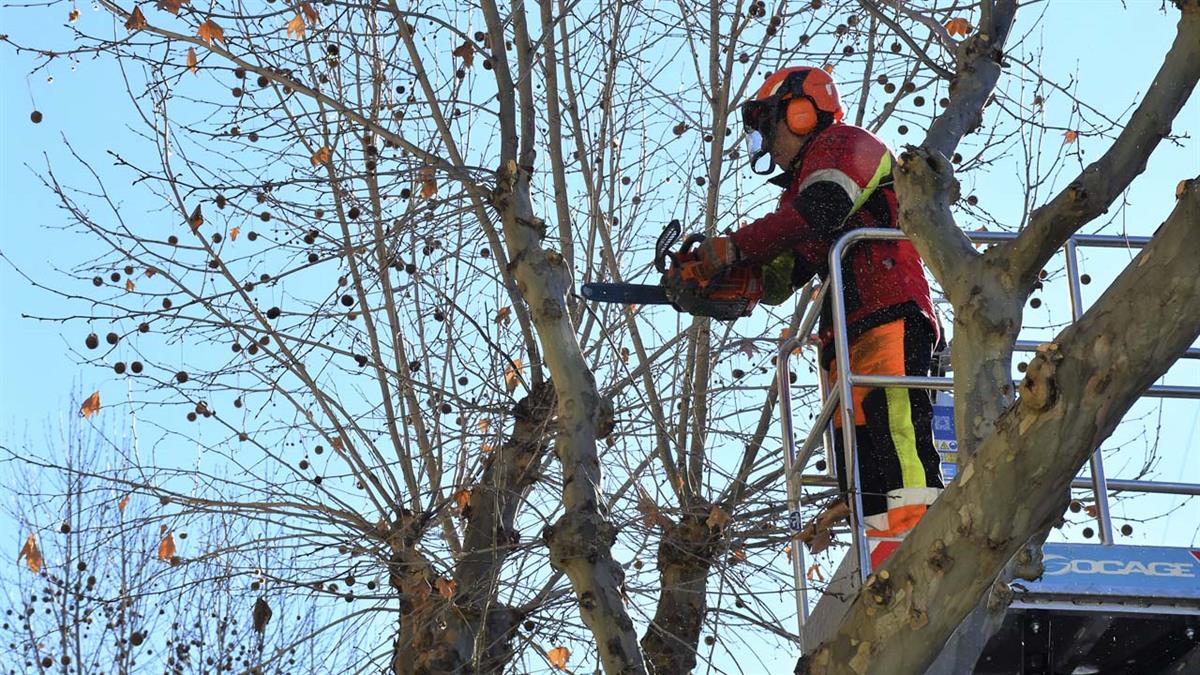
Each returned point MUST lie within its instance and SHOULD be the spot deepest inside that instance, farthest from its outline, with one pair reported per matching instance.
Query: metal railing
(838, 399)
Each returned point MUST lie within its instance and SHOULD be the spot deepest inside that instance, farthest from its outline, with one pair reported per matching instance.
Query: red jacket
(842, 180)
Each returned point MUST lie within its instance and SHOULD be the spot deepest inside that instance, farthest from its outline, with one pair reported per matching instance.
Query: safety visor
(759, 118)
(759, 115)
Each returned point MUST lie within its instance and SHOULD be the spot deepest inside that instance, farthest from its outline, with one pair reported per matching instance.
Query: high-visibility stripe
(840, 178)
(884, 168)
(904, 437)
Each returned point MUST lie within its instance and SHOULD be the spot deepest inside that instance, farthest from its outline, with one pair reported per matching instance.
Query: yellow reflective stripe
(884, 168)
(904, 437)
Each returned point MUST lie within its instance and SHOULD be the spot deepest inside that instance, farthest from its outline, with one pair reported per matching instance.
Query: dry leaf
(151, 271)
(123, 503)
(1069, 136)
(651, 515)
(321, 156)
(234, 233)
(467, 51)
(210, 31)
(129, 285)
(196, 219)
(462, 499)
(717, 518)
(558, 657)
(445, 587)
(504, 316)
(261, 615)
(91, 406)
(959, 26)
(73, 15)
(820, 541)
(512, 375)
(739, 555)
(814, 573)
(828, 67)
(486, 448)
(336, 443)
(309, 13)
(166, 547)
(295, 27)
(746, 346)
(136, 20)
(191, 60)
(787, 551)
(31, 554)
(428, 183)
(624, 355)
(171, 6)
(484, 425)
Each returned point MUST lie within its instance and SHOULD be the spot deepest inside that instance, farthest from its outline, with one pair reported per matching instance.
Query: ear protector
(809, 92)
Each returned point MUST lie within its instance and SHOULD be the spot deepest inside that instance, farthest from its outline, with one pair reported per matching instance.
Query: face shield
(759, 119)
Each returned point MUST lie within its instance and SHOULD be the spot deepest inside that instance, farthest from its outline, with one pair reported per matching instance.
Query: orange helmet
(803, 96)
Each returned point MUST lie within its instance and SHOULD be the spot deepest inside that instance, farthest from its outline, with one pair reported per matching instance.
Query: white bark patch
(862, 658)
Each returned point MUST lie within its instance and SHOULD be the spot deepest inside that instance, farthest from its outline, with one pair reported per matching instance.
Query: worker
(836, 177)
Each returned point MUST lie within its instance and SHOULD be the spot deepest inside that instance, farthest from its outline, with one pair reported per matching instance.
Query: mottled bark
(685, 557)
(1074, 394)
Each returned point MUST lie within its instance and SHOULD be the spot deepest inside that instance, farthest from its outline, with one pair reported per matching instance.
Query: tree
(102, 588)
(359, 304)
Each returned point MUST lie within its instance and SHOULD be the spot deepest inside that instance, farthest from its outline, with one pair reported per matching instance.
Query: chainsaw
(728, 296)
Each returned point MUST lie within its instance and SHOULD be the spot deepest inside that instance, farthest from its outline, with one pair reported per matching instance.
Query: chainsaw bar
(626, 294)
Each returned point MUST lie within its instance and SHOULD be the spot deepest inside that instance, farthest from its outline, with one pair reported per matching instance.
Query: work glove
(716, 254)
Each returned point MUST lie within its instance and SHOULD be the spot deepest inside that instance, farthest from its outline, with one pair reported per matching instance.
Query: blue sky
(1111, 48)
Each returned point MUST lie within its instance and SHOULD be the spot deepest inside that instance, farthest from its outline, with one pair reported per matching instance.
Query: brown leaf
(504, 316)
(739, 555)
(210, 31)
(171, 6)
(558, 657)
(820, 541)
(717, 518)
(309, 13)
(814, 573)
(651, 515)
(73, 15)
(462, 499)
(336, 443)
(484, 425)
(196, 219)
(486, 448)
(428, 183)
(166, 547)
(136, 20)
(321, 156)
(512, 375)
(91, 406)
(445, 587)
(151, 271)
(959, 26)
(261, 615)
(467, 51)
(31, 554)
(233, 234)
(129, 285)
(295, 27)
(191, 60)
(123, 503)
(1069, 136)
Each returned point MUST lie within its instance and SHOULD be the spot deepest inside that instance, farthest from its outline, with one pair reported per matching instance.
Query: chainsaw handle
(692, 239)
(662, 247)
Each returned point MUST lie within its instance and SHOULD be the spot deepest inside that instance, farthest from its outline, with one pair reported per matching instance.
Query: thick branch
(1093, 191)
(1074, 394)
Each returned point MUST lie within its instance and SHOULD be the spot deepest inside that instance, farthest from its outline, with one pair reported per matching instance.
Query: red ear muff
(801, 116)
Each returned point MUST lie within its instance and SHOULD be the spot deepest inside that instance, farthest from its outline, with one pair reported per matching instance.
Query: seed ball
(115, 277)
(97, 281)
(237, 92)
(263, 81)
(462, 381)
(136, 367)
(264, 216)
(136, 638)
(317, 480)
(191, 417)
(1126, 529)
(47, 662)
(438, 315)
(35, 117)
(446, 409)
(65, 528)
(485, 252)
(889, 87)
(353, 213)
(347, 300)
(1088, 532)
(236, 348)
(349, 581)
(273, 313)
(360, 360)
(166, 303)
(181, 377)
(239, 73)
(1085, 279)
(1035, 303)
(319, 449)
(173, 240)
(371, 585)
(217, 237)
(944, 102)
(264, 278)
(919, 100)
(119, 367)
(902, 129)
(738, 373)
(252, 235)
(410, 268)
(92, 341)
(313, 258)
(821, 465)
(1022, 367)
(237, 402)
(972, 200)
(243, 436)
(264, 340)
(896, 47)
(111, 338)
(1075, 506)
(957, 158)
(303, 464)
(405, 193)
(709, 640)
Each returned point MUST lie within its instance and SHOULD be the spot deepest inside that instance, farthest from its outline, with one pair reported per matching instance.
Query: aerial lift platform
(1098, 608)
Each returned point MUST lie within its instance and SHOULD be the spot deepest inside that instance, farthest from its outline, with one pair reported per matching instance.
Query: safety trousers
(899, 468)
